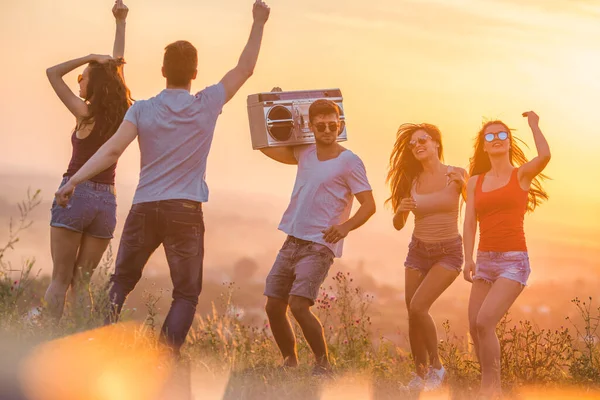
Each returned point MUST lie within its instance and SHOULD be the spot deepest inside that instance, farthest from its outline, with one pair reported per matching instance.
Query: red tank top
(501, 213)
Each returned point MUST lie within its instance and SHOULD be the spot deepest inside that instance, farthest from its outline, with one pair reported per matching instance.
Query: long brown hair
(480, 163)
(404, 167)
(108, 97)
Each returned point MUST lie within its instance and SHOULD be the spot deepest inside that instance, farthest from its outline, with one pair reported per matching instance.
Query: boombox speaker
(281, 118)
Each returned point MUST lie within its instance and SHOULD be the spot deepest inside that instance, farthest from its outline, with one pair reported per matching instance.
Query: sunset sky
(447, 62)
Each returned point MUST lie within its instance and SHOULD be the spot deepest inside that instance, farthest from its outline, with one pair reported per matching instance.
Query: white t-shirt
(323, 194)
(175, 132)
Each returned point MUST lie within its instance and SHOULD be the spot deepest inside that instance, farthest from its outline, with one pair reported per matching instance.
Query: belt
(183, 203)
(101, 187)
(190, 204)
(296, 240)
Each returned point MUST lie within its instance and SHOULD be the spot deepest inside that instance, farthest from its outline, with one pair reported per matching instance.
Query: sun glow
(110, 363)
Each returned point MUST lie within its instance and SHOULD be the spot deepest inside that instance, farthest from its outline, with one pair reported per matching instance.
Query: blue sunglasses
(489, 137)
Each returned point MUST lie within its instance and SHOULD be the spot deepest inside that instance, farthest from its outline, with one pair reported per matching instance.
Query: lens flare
(114, 362)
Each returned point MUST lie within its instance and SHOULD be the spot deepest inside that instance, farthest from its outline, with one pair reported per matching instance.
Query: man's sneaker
(416, 384)
(434, 378)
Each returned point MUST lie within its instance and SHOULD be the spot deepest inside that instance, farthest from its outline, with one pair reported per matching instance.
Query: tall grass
(221, 339)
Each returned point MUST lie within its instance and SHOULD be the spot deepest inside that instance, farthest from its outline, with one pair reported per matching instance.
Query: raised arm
(120, 11)
(283, 154)
(74, 103)
(235, 78)
(528, 171)
(469, 230)
(106, 156)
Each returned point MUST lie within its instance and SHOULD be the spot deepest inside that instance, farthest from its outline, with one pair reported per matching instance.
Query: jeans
(179, 226)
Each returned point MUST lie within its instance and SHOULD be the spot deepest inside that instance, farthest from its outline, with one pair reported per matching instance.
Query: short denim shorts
(299, 270)
(92, 210)
(422, 256)
(513, 265)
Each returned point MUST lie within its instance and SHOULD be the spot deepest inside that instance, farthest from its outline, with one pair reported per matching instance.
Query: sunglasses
(79, 78)
(489, 137)
(322, 126)
(422, 140)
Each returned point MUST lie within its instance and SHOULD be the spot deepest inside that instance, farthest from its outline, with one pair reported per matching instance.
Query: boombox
(281, 118)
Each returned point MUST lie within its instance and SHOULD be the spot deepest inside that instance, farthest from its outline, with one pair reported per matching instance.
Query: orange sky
(449, 63)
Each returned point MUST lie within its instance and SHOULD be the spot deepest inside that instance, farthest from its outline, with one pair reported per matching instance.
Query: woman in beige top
(420, 183)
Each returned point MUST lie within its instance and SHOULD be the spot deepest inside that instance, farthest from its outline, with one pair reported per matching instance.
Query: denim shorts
(422, 256)
(299, 270)
(513, 265)
(92, 210)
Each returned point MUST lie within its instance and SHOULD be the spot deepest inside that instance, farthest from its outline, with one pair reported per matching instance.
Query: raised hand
(120, 10)
(532, 118)
(260, 12)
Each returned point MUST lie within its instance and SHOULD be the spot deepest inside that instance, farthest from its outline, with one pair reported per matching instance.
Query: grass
(221, 345)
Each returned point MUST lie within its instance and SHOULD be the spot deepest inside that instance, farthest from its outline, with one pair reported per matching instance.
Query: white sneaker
(434, 378)
(416, 384)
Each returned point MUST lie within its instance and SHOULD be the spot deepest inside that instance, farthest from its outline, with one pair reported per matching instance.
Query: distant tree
(244, 269)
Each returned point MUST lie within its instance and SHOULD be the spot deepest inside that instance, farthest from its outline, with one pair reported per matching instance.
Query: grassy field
(225, 358)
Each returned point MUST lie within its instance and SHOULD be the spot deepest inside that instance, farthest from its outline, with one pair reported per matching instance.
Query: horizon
(421, 61)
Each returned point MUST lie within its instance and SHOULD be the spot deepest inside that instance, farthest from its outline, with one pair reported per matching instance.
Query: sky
(452, 63)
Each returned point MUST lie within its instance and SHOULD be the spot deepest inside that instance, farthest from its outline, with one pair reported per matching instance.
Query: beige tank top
(436, 215)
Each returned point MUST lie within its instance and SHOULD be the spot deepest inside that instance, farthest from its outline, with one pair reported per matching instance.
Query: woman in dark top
(81, 232)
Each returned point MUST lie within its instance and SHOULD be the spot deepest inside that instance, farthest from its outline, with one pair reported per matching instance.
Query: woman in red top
(81, 232)
(498, 196)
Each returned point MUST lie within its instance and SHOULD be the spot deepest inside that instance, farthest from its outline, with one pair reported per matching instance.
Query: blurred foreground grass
(224, 358)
